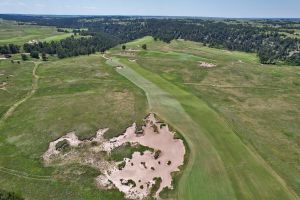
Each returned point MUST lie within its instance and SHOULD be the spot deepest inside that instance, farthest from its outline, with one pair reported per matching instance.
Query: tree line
(73, 46)
(9, 49)
(266, 40)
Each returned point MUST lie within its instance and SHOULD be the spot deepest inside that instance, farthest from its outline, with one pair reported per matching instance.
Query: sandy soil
(3, 86)
(119, 67)
(139, 173)
(52, 151)
(206, 65)
(142, 169)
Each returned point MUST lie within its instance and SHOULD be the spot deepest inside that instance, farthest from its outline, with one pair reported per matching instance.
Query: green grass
(139, 42)
(221, 166)
(12, 33)
(239, 119)
(259, 102)
(78, 94)
(18, 79)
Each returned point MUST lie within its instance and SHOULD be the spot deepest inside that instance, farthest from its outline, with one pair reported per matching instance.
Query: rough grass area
(176, 88)
(18, 82)
(13, 33)
(80, 94)
(259, 102)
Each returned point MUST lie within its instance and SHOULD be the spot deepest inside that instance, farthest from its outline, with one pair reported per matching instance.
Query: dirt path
(25, 175)
(214, 147)
(35, 79)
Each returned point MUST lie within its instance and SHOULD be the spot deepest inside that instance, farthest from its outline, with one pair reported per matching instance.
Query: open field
(15, 82)
(255, 104)
(239, 118)
(12, 33)
(80, 94)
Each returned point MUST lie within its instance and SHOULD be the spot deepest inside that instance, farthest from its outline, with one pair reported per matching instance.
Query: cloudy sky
(203, 8)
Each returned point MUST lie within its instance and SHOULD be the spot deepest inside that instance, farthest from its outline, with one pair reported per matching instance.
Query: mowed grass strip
(250, 177)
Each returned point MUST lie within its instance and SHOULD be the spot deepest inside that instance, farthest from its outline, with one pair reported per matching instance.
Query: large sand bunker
(137, 175)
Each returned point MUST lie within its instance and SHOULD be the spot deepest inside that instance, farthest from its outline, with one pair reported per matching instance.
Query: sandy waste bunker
(136, 176)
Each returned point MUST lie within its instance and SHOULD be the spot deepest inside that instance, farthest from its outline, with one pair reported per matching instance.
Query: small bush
(24, 57)
(62, 145)
(4, 195)
(157, 154)
(35, 54)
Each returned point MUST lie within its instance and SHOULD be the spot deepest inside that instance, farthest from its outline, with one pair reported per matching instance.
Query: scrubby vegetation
(126, 151)
(4, 195)
(62, 145)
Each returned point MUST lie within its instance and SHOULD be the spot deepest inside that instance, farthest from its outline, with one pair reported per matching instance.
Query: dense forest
(263, 37)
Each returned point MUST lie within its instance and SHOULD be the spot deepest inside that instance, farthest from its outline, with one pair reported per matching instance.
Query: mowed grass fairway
(229, 159)
(80, 94)
(13, 33)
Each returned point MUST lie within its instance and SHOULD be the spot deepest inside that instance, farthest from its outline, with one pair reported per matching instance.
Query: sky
(200, 8)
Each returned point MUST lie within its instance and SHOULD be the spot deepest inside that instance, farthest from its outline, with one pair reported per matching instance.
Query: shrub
(24, 57)
(4, 195)
(35, 54)
(62, 145)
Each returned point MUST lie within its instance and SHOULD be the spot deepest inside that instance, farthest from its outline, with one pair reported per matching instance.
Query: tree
(24, 57)
(144, 46)
(9, 49)
(266, 56)
(123, 47)
(35, 54)
(44, 57)
(14, 48)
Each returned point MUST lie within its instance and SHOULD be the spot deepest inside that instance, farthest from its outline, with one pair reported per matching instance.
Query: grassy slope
(250, 177)
(261, 103)
(80, 94)
(12, 33)
(18, 78)
(170, 110)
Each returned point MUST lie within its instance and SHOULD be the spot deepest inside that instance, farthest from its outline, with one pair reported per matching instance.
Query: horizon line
(127, 15)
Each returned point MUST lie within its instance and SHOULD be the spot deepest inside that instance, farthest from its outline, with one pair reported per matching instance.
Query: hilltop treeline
(266, 40)
(9, 49)
(73, 47)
